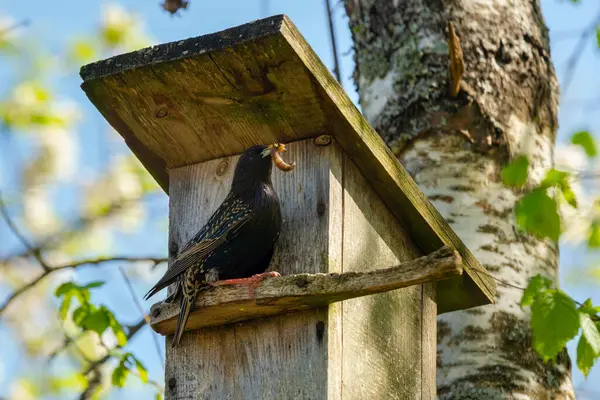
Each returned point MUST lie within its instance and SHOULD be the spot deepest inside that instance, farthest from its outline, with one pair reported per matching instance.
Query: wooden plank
(269, 358)
(255, 89)
(333, 189)
(382, 333)
(224, 305)
(259, 83)
(428, 341)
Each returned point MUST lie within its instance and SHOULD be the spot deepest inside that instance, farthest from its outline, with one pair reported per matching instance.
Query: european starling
(237, 241)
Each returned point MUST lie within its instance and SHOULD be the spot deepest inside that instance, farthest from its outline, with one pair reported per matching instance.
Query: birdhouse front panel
(332, 222)
(265, 359)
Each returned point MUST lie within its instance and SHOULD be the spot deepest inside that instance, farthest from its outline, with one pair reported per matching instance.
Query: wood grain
(382, 333)
(428, 341)
(213, 96)
(268, 358)
(228, 304)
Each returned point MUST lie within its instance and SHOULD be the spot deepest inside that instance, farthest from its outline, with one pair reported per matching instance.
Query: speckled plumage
(237, 241)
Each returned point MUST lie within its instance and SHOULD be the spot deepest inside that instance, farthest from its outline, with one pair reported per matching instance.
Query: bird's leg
(171, 298)
(175, 295)
(252, 281)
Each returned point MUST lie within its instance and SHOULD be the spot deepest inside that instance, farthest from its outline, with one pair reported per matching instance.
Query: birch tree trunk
(455, 148)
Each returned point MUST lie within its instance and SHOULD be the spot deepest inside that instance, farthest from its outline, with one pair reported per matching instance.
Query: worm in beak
(276, 150)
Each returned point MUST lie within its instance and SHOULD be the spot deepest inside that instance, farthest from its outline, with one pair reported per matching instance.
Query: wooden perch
(228, 304)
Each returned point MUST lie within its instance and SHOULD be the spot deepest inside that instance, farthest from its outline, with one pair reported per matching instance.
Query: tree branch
(77, 264)
(15, 230)
(575, 56)
(144, 315)
(336, 69)
(73, 229)
(13, 27)
(94, 367)
(132, 330)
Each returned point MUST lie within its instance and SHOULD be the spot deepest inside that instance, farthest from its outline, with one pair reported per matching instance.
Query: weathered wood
(394, 185)
(268, 358)
(428, 341)
(228, 304)
(381, 333)
(178, 103)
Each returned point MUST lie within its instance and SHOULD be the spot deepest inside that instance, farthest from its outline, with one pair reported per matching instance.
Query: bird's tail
(187, 302)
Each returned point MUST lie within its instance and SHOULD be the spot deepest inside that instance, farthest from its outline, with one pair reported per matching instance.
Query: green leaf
(587, 307)
(585, 140)
(82, 51)
(42, 119)
(594, 237)
(80, 314)
(141, 369)
(537, 213)
(95, 284)
(64, 289)
(65, 305)
(554, 177)
(158, 396)
(117, 329)
(590, 331)
(568, 194)
(119, 374)
(97, 320)
(585, 356)
(537, 285)
(598, 36)
(82, 294)
(560, 179)
(515, 173)
(554, 321)
(113, 35)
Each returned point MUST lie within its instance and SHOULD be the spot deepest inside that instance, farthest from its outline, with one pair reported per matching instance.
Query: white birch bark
(455, 148)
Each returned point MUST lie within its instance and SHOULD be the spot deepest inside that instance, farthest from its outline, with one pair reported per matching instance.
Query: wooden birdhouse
(367, 262)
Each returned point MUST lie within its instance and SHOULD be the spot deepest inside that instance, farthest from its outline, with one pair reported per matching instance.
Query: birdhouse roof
(212, 96)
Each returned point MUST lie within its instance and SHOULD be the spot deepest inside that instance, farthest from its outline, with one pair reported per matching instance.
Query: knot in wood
(301, 282)
(323, 140)
(320, 331)
(162, 112)
(222, 168)
(321, 208)
(172, 383)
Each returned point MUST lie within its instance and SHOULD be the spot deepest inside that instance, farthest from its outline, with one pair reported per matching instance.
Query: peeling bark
(455, 148)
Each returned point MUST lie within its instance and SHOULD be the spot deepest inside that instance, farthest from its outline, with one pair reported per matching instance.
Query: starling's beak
(266, 152)
(274, 148)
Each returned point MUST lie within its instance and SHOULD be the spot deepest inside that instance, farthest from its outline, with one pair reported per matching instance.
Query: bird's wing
(221, 227)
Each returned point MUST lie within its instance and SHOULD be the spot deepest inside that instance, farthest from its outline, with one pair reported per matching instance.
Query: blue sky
(55, 23)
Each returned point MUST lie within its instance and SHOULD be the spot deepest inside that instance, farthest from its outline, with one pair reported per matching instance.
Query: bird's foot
(252, 281)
